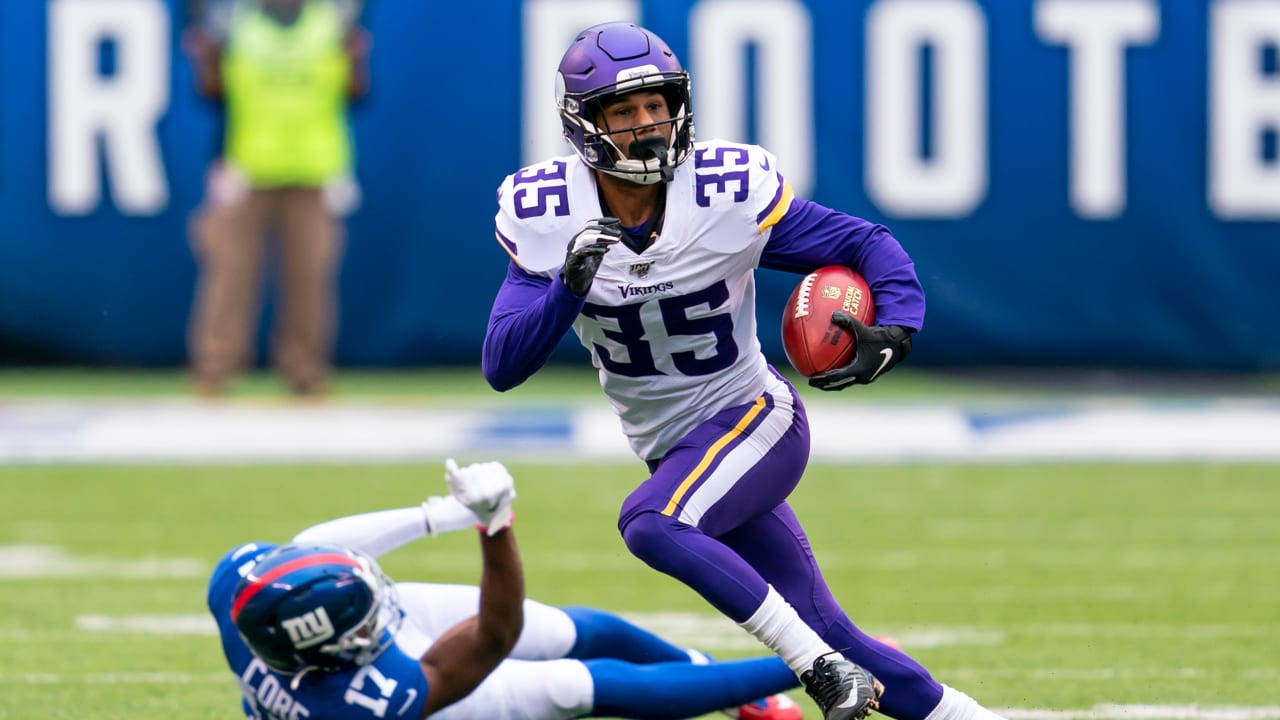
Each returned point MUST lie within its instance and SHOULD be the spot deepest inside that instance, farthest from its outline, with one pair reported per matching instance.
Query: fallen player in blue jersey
(314, 629)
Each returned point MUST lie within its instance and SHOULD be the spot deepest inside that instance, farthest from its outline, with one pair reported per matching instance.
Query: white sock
(776, 624)
(955, 705)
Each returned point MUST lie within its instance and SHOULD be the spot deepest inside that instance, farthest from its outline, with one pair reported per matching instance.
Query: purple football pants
(714, 515)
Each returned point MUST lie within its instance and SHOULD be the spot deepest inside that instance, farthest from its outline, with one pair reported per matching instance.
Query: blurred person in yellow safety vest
(284, 72)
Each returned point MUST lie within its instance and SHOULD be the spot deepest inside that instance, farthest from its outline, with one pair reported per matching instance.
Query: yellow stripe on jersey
(784, 204)
(506, 246)
(711, 453)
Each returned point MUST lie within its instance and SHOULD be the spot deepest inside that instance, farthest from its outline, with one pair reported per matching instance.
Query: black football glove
(586, 250)
(877, 348)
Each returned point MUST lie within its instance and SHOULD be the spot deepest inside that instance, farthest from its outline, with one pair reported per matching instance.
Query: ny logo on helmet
(311, 628)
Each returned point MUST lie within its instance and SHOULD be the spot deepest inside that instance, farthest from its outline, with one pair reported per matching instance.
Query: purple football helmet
(613, 59)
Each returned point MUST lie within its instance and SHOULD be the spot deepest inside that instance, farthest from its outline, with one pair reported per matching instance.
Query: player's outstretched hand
(487, 490)
(877, 349)
(586, 251)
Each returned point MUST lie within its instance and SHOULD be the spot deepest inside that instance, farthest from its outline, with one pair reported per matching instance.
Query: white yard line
(25, 562)
(119, 678)
(714, 631)
(167, 625)
(1077, 674)
(718, 634)
(1097, 712)
(1146, 712)
(179, 430)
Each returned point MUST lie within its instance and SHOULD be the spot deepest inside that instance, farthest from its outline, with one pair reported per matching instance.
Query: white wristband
(446, 514)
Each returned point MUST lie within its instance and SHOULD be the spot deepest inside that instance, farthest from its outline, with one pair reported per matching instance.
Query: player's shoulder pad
(536, 211)
(758, 186)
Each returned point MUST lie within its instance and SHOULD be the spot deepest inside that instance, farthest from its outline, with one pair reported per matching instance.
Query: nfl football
(812, 342)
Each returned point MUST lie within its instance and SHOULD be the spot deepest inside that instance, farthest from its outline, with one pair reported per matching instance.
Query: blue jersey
(392, 686)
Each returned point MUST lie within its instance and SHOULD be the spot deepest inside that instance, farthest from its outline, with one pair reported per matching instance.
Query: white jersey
(672, 330)
(535, 682)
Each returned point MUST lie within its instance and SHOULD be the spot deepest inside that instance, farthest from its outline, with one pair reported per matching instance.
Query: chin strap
(297, 679)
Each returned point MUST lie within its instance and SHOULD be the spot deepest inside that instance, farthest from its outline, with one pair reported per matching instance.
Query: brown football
(812, 342)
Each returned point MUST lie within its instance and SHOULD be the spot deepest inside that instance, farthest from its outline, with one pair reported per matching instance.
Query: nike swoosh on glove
(877, 349)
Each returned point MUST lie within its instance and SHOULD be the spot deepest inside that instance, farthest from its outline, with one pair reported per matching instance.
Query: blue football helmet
(613, 59)
(314, 606)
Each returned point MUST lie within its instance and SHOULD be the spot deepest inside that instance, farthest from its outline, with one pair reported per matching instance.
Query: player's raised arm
(382, 531)
(469, 651)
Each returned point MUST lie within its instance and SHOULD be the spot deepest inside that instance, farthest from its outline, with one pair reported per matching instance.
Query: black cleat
(843, 690)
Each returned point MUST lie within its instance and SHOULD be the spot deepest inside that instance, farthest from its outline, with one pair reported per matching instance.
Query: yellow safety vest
(285, 89)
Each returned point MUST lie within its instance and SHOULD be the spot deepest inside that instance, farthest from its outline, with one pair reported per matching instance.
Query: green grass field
(1052, 587)
(1038, 588)
(465, 384)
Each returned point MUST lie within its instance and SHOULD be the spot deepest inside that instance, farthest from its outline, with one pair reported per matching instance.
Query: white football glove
(486, 489)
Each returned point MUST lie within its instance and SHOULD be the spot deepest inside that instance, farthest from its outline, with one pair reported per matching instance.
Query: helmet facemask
(366, 640)
(643, 161)
(611, 60)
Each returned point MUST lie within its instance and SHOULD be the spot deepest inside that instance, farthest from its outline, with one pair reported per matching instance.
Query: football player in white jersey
(314, 629)
(646, 243)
